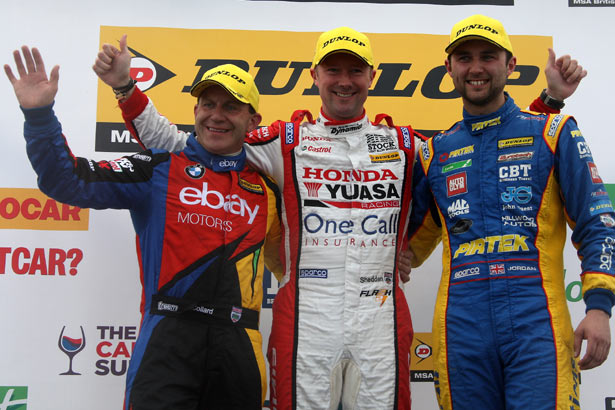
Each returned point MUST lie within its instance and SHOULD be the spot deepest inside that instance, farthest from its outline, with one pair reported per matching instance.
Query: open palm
(32, 88)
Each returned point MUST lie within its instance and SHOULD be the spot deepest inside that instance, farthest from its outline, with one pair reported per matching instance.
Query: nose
(217, 113)
(344, 79)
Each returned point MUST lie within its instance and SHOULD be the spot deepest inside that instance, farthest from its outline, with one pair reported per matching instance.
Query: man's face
(343, 81)
(221, 122)
(479, 71)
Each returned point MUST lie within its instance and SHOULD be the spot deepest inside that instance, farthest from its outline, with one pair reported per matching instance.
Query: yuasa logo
(215, 200)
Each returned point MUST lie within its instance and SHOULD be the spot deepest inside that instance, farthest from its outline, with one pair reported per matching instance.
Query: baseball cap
(479, 27)
(237, 82)
(343, 40)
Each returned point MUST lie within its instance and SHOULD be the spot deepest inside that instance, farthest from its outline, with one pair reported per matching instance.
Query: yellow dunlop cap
(237, 82)
(343, 40)
(479, 27)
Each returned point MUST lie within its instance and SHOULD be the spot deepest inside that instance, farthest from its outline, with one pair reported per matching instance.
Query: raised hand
(33, 89)
(563, 75)
(112, 65)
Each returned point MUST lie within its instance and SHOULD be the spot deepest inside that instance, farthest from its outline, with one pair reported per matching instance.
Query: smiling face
(221, 122)
(479, 70)
(343, 81)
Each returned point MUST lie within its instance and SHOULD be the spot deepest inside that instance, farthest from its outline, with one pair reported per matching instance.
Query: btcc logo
(490, 244)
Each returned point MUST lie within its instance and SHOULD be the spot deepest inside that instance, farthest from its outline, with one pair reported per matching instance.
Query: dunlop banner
(411, 83)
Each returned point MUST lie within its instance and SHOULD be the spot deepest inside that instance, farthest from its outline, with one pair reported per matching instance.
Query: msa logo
(459, 207)
(456, 184)
(520, 194)
(515, 172)
(13, 397)
(593, 172)
(215, 200)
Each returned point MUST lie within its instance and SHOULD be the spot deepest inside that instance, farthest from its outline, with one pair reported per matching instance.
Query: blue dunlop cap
(237, 82)
(479, 27)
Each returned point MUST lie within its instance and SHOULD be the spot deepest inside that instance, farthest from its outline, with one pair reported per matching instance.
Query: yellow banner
(26, 208)
(411, 83)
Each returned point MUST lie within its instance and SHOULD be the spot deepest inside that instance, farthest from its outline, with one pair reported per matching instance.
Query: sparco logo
(346, 128)
(554, 124)
(213, 199)
(314, 273)
(467, 272)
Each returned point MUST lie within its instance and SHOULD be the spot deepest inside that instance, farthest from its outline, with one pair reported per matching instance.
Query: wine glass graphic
(71, 347)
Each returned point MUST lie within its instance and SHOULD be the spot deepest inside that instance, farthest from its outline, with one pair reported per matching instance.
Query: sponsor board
(27, 208)
(591, 3)
(167, 62)
(421, 358)
(13, 397)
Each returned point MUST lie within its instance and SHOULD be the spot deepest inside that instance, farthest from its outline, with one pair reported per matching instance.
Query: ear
(372, 76)
(512, 63)
(314, 75)
(254, 121)
(447, 64)
(196, 106)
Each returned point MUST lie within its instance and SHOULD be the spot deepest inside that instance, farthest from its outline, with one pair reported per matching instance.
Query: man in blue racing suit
(498, 188)
(205, 224)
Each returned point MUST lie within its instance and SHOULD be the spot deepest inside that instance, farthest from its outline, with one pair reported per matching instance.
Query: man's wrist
(551, 101)
(124, 91)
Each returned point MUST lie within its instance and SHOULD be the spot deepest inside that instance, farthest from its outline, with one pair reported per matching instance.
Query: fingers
(27, 55)
(551, 57)
(21, 70)
(123, 43)
(578, 341)
(9, 73)
(54, 76)
(38, 60)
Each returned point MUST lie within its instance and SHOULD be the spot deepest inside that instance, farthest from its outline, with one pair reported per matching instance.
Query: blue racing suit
(498, 190)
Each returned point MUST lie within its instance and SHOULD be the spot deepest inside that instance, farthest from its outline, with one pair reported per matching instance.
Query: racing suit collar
(476, 124)
(217, 163)
(343, 128)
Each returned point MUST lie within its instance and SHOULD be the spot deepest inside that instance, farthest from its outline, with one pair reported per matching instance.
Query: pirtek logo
(505, 243)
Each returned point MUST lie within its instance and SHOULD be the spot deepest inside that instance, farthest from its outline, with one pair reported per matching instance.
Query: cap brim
(202, 85)
(451, 47)
(346, 52)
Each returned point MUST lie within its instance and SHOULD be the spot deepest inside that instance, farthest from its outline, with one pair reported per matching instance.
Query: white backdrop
(103, 297)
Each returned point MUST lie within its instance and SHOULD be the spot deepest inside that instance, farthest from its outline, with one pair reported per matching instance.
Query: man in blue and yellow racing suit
(498, 188)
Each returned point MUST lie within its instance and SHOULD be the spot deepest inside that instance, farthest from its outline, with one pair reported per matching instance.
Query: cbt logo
(13, 397)
(147, 72)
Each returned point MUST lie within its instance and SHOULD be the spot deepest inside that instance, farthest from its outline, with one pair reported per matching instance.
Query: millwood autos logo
(13, 397)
